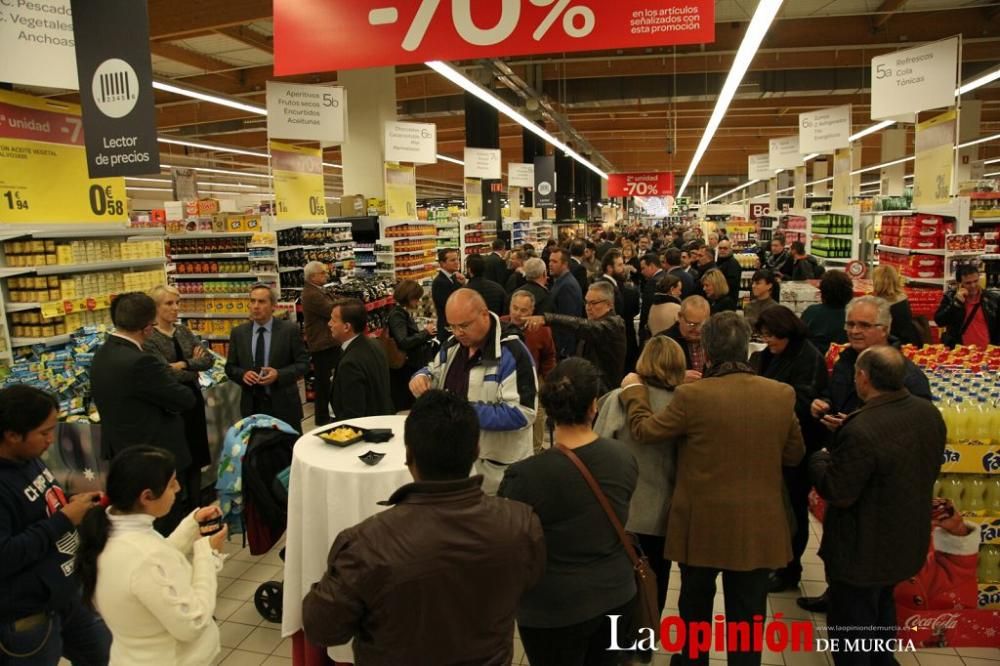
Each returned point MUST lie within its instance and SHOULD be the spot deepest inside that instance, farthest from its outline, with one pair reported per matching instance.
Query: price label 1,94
(43, 166)
(298, 182)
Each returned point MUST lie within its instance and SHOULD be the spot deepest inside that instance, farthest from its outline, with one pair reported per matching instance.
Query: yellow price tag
(43, 166)
(298, 182)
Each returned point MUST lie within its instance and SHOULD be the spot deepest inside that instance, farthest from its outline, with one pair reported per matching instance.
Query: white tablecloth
(330, 490)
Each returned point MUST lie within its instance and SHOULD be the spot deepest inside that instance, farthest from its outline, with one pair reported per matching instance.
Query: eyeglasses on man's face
(462, 327)
(592, 303)
(690, 325)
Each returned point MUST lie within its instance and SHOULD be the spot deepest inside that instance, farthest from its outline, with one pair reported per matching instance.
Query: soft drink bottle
(951, 489)
(988, 566)
(961, 419)
(938, 484)
(974, 497)
(982, 420)
(992, 497)
(948, 414)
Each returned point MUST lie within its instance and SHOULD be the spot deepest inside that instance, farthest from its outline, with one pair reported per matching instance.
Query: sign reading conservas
(759, 166)
(917, 79)
(482, 163)
(38, 43)
(784, 153)
(651, 184)
(411, 142)
(298, 182)
(320, 35)
(43, 166)
(520, 175)
(306, 112)
(545, 181)
(825, 130)
(116, 87)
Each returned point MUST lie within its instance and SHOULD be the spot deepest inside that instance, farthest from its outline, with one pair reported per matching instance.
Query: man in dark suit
(730, 267)
(576, 250)
(140, 401)
(674, 266)
(565, 298)
(626, 300)
(266, 358)
(492, 292)
(496, 263)
(652, 271)
(361, 380)
(448, 280)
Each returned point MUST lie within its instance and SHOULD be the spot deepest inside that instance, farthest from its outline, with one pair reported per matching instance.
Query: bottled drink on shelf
(951, 489)
(974, 495)
(982, 432)
(961, 421)
(988, 567)
(992, 496)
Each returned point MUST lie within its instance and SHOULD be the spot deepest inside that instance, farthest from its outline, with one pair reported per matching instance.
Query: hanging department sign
(759, 166)
(411, 142)
(38, 43)
(644, 184)
(43, 166)
(825, 130)
(298, 182)
(306, 112)
(545, 182)
(324, 35)
(917, 79)
(482, 163)
(520, 174)
(783, 153)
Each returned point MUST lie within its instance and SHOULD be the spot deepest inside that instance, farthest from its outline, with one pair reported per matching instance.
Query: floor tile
(261, 573)
(973, 661)
(806, 658)
(788, 608)
(277, 661)
(284, 648)
(234, 567)
(231, 634)
(225, 607)
(813, 588)
(262, 639)
(813, 572)
(907, 659)
(979, 653)
(926, 659)
(241, 589)
(242, 658)
(219, 658)
(222, 582)
(247, 614)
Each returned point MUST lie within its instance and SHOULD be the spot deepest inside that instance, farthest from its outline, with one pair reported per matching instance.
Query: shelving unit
(543, 232)
(476, 237)
(835, 217)
(958, 211)
(406, 249)
(521, 232)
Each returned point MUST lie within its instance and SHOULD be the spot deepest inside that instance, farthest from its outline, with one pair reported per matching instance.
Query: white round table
(331, 489)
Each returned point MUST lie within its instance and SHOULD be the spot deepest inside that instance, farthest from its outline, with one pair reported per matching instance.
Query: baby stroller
(253, 489)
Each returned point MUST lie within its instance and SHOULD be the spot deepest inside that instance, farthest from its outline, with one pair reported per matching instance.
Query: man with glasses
(693, 314)
(601, 336)
(867, 324)
(970, 314)
(488, 365)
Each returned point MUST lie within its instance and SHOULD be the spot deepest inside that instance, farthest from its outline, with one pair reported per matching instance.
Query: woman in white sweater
(156, 594)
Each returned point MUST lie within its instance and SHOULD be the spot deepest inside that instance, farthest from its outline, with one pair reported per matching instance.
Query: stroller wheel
(267, 600)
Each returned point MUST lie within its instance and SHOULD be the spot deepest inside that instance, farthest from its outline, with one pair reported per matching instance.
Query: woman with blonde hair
(184, 354)
(716, 290)
(888, 285)
(662, 366)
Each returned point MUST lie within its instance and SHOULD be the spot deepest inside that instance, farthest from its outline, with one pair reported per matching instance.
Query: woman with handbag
(589, 573)
(410, 340)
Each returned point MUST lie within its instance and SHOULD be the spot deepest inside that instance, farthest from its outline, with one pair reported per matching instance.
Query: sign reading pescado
(38, 44)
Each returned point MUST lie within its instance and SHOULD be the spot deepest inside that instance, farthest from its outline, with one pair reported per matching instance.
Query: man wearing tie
(266, 358)
(448, 280)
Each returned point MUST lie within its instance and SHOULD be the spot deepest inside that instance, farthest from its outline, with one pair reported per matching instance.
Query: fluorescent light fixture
(332, 198)
(874, 183)
(990, 175)
(149, 180)
(821, 180)
(908, 176)
(810, 156)
(994, 161)
(759, 25)
(451, 159)
(456, 77)
(209, 146)
(977, 82)
(735, 189)
(226, 172)
(240, 185)
(208, 97)
(882, 166)
(871, 130)
(976, 141)
(332, 165)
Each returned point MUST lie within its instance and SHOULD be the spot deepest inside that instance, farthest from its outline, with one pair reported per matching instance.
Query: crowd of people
(602, 382)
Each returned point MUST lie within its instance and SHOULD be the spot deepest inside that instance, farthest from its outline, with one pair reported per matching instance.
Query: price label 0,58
(43, 167)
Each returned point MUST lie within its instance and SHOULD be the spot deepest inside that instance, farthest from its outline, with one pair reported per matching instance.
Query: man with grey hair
(266, 359)
(868, 321)
(317, 304)
(515, 278)
(878, 480)
(535, 279)
(600, 338)
(686, 332)
(727, 514)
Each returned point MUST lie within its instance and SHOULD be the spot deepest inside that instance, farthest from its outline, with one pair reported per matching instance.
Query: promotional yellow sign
(298, 182)
(934, 166)
(400, 191)
(63, 308)
(473, 198)
(842, 180)
(43, 166)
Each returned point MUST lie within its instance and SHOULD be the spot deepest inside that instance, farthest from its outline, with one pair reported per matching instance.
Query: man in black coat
(878, 480)
(448, 280)
(496, 264)
(492, 292)
(626, 301)
(729, 266)
(266, 359)
(576, 251)
(138, 399)
(970, 314)
(361, 379)
(652, 271)
(674, 266)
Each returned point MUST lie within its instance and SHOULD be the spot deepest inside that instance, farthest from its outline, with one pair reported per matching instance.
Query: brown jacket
(434, 580)
(727, 510)
(317, 304)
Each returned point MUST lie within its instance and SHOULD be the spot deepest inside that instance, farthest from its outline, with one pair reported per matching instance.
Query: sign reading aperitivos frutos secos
(645, 184)
(325, 35)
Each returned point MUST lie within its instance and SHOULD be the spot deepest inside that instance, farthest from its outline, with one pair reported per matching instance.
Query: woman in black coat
(716, 291)
(413, 341)
(791, 359)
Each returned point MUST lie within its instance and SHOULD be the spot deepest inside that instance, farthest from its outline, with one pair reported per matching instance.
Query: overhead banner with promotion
(298, 182)
(825, 130)
(917, 79)
(934, 150)
(320, 35)
(43, 166)
(400, 191)
(643, 184)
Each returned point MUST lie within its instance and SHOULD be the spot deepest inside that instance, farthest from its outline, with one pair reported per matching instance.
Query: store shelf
(835, 260)
(213, 338)
(935, 281)
(937, 252)
(21, 307)
(48, 342)
(216, 255)
(366, 264)
(59, 269)
(392, 239)
(214, 315)
(290, 269)
(209, 276)
(84, 233)
(212, 234)
(405, 252)
(209, 294)
(825, 235)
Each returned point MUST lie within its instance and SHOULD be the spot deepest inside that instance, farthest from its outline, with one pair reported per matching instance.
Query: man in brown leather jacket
(437, 578)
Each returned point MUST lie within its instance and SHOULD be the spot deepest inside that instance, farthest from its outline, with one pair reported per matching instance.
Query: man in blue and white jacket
(494, 371)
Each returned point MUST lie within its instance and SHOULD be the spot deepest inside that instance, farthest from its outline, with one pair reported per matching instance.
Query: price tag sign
(651, 184)
(298, 182)
(400, 191)
(43, 166)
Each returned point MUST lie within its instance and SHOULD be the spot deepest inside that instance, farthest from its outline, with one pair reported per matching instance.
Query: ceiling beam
(886, 10)
(245, 35)
(193, 59)
(176, 19)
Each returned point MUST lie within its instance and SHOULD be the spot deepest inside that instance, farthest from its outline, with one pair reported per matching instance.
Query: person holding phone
(156, 594)
(184, 354)
(970, 313)
(42, 617)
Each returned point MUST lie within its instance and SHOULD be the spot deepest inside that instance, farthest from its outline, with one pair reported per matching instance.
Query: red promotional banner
(326, 35)
(648, 184)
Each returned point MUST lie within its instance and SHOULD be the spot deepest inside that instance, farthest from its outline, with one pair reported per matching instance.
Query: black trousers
(186, 501)
(582, 644)
(798, 485)
(323, 364)
(746, 596)
(872, 610)
(652, 548)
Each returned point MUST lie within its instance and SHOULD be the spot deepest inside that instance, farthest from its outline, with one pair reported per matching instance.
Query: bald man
(487, 364)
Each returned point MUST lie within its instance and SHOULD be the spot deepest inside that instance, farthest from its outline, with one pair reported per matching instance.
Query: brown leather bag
(647, 611)
(395, 356)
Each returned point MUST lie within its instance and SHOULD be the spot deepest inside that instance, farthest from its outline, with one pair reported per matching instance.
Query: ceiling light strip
(735, 189)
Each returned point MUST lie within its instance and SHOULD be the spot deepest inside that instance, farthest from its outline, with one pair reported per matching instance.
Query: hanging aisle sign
(38, 43)
(473, 198)
(520, 175)
(935, 159)
(43, 166)
(645, 184)
(917, 79)
(784, 153)
(306, 112)
(825, 130)
(116, 87)
(400, 191)
(482, 163)
(320, 35)
(759, 166)
(298, 182)
(545, 181)
(415, 143)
